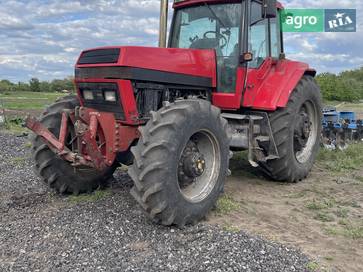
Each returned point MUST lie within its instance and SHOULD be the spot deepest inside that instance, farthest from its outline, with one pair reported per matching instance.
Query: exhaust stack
(163, 22)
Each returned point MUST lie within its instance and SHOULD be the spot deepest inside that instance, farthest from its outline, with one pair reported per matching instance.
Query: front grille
(100, 56)
(99, 103)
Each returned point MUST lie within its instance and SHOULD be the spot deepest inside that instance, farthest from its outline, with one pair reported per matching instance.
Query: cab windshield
(212, 27)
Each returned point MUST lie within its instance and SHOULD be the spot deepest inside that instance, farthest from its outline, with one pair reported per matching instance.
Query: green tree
(347, 86)
(22, 87)
(6, 86)
(59, 85)
(45, 87)
(34, 85)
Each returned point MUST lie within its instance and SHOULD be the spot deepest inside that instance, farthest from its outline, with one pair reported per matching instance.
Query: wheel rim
(306, 132)
(199, 166)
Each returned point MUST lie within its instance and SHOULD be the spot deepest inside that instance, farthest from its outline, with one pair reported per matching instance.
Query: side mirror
(269, 8)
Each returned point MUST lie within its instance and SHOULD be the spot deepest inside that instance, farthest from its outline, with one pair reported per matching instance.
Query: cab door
(264, 42)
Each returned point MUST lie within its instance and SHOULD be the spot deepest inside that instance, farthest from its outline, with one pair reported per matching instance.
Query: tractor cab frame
(242, 33)
(249, 50)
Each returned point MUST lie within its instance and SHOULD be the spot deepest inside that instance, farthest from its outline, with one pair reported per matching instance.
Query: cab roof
(185, 3)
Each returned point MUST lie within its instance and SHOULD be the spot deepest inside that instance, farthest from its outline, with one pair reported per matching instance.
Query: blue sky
(43, 38)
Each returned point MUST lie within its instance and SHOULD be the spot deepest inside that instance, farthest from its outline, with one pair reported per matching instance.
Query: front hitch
(58, 145)
(98, 135)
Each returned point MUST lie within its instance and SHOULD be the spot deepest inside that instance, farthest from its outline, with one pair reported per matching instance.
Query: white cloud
(327, 52)
(10, 22)
(44, 38)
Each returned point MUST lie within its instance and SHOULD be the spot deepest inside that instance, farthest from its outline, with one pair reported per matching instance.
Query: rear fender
(273, 89)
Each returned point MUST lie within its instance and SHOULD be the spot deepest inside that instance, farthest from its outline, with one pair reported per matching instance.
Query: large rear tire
(54, 171)
(296, 129)
(181, 162)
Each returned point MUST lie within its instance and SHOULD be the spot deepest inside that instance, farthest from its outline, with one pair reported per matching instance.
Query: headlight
(110, 96)
(88, 95)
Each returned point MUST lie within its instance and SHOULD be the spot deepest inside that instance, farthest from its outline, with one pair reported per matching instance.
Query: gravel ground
(40, 231)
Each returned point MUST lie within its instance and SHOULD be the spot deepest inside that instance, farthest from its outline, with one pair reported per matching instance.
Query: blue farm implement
(340, 128)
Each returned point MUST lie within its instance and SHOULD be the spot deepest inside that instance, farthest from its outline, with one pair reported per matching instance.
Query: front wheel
(181, 162)
(56, 172)
(296, 129)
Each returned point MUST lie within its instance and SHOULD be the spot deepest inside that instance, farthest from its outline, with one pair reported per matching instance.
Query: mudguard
(270, 86)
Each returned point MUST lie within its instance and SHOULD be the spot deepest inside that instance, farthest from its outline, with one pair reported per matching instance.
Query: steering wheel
(219, 36)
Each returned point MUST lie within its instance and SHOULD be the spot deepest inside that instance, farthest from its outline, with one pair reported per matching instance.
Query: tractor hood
(163, 65)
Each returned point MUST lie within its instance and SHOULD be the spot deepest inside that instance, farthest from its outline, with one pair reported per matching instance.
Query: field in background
(347, 106)
(22, 101)
(17, 105)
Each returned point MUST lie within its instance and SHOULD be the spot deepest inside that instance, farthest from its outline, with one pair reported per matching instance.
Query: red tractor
(174, 114)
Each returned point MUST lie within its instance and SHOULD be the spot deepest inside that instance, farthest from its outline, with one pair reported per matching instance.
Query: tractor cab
(215, 27)
(246, 37)
(222, 27)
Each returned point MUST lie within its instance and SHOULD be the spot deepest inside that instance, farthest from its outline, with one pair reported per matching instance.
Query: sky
(43, 38)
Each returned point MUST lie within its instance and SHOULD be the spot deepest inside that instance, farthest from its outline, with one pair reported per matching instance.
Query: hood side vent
(100, 56)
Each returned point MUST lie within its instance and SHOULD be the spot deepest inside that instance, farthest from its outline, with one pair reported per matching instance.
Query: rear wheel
(56, 172)
(297, 130)
(181, 162)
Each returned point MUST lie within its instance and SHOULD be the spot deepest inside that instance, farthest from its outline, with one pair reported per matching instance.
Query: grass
(339, 161)
(342, 213)
(230, 228)
(34, 95)
(353, 232)
(23, 102)
(343, 222)
(226, 204)
(18, 161)
(349, 203)
(332, 231)
(298, 194)
(347, 230)
(94, 197)
(27, 145)
(27, 100)
(320, 205)
(14, 125)
(324, 216)
(329, 210)
(312, 266)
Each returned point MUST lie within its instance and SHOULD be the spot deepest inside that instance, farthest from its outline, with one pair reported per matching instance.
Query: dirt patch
(28, 200)
(321, 215)
(23, 201)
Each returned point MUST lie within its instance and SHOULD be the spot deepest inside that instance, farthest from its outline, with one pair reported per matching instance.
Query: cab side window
(275, 38)
(258, 40)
